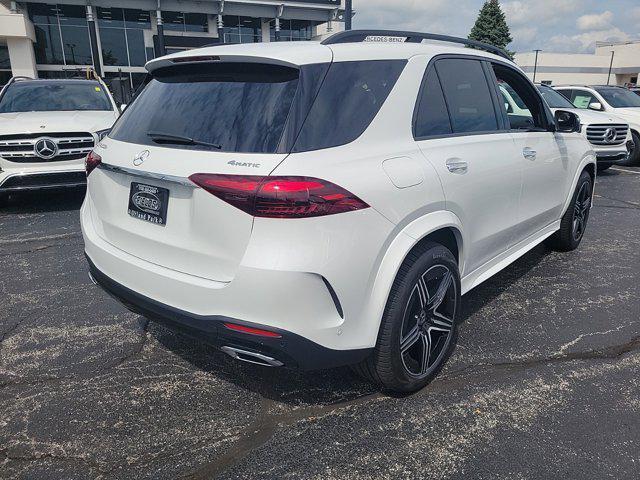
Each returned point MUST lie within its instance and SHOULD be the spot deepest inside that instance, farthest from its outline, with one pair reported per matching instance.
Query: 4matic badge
(233, 163)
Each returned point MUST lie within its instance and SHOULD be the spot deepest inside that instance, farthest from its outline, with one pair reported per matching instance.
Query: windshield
(47, 96)
(553, 98)
(232, 107)
(619, 97)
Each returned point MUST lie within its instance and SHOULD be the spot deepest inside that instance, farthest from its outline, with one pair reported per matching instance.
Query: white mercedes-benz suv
(311, 205)
(618, 101)
(47, 127)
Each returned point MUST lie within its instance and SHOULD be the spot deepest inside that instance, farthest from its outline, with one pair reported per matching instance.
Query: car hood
(631, 114)
(588, 117)
(49, 122)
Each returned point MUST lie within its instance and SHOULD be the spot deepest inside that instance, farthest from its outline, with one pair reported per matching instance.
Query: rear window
(236, 107)
(349, 99)
(51, 96)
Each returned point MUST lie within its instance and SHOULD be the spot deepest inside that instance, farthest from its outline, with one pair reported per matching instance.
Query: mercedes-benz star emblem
(141, 157)
(610, 135)
(45, 148)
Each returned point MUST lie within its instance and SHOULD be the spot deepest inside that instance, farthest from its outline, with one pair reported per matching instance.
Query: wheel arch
(588, 164)
(441, 227)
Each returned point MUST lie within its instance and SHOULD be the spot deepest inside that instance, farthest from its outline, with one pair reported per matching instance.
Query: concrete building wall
(588, 69)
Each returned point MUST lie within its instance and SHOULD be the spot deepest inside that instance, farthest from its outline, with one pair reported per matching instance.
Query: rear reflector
(279, 197)
(252, 331)
(91, 161)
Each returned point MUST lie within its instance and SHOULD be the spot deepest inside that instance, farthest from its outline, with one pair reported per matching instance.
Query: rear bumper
(293, 351)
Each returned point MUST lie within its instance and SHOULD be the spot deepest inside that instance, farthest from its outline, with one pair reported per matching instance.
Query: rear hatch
(220, 119)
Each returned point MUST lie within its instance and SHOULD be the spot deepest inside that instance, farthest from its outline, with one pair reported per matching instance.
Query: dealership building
(44, 39)
(616, 63)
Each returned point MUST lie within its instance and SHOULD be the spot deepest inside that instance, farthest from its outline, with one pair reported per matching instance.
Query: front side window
(348, 101)
(619, 97)
(51, 96)
(432, 117)
(582, 98)
(232, 107)
(522, 103)
(468, 96)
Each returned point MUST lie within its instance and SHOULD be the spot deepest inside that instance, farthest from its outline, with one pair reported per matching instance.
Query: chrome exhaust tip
(93, 280)
(251, 357)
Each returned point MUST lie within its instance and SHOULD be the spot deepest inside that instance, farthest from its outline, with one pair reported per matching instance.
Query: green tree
(491, 26)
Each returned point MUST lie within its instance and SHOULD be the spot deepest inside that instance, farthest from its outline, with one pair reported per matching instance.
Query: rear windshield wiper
(161, 137)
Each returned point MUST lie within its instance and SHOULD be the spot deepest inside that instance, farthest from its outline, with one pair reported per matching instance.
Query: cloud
(602, 21)
(586, 42)
(521, 12)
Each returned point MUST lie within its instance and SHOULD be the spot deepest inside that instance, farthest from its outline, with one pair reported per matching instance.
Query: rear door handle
(529, 153)
(456, 165)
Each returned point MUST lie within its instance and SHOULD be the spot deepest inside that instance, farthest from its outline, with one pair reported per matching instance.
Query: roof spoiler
(357, 36)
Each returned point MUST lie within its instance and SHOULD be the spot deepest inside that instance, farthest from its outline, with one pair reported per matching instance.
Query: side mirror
(567, 122)
(597, 106)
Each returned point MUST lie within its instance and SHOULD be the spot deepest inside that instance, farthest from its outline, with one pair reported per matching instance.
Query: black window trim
(431, 65)
(497, 104)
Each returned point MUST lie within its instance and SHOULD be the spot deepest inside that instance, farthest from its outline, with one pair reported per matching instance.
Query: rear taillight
(91, 161)
(279, 197)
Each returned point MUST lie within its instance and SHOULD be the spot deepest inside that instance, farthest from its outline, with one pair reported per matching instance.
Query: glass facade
(5, 65)
(185, 22)
(62, 34)
(293, 30)
(242, 29)
(121, 33)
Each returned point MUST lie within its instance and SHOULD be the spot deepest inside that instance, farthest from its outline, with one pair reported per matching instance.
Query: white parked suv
(311, 205)
(610, 136)
(47, 127)
(613, 100)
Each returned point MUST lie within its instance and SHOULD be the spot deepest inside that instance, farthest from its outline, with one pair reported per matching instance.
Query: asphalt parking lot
(544, 383)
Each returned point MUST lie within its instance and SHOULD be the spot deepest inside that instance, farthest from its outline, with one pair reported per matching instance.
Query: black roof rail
(357, 36)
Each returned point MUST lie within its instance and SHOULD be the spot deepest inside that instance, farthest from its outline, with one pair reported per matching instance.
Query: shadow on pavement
(320, 387)
(43, 201)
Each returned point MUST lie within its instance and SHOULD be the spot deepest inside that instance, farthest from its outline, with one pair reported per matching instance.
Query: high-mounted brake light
(252, 331)
(279, 197)
(91, 161)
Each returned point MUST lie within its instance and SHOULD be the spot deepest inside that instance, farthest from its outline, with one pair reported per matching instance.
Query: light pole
(348, 13)
(610, 66)
(535, 65)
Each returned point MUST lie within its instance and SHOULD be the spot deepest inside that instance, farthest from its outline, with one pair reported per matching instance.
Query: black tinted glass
(619, 97)
(468, 95)
(349, 99)
(432, 117)
(553, 98)
(54, 96)
(240, 107)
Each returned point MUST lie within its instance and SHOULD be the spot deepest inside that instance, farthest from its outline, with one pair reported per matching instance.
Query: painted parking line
(618, 169)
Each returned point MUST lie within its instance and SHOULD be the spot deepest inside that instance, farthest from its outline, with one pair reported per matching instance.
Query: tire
(574, 221)
(418, 319)
(634, 158)
(602, 168)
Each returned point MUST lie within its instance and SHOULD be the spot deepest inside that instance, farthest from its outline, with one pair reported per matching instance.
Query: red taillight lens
(279, 197)
(252, 331)
(91, 162)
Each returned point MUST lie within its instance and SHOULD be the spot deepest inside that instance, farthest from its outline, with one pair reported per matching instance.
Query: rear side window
(236, 107)
(432, 117)
(468, 96)
(348, 101)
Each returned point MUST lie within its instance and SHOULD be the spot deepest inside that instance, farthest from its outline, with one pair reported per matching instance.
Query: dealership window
(242, 29)
(293, 30)
(185, 22)
(122, 36)
(62, 34)
(5, 65)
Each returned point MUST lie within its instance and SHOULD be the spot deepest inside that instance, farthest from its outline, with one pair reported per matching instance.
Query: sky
(551, 25)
